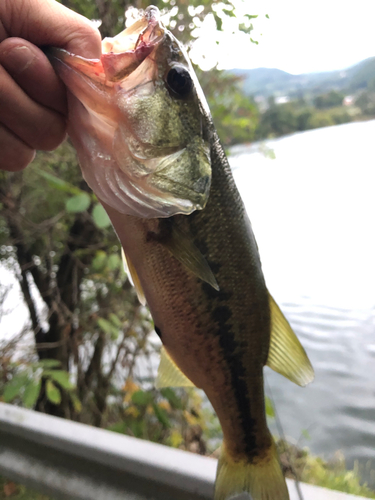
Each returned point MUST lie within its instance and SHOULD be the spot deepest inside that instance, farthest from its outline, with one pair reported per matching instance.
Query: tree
(329, 100)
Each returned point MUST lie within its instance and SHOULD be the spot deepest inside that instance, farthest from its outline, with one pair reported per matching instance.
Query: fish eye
(179, 81)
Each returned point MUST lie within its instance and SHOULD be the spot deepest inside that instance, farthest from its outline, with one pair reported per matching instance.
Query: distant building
(282, 99)
(348, 100)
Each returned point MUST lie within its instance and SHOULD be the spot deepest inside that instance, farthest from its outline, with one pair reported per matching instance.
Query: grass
(331, 474)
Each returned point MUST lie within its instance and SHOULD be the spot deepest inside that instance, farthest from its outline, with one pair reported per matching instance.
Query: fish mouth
(121, 55)
(112, 104)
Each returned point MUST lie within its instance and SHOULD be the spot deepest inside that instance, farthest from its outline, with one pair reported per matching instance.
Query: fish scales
(149, 150)
(208, 332)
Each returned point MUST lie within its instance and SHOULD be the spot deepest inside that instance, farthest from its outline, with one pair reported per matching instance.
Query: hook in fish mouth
(141, 147)
(122, 54)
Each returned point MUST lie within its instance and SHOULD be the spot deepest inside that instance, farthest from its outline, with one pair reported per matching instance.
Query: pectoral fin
(133, 277)
(169, 375)
(185, 251)
(286, 355)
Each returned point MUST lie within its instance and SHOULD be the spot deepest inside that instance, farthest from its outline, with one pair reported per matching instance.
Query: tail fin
(262, 479)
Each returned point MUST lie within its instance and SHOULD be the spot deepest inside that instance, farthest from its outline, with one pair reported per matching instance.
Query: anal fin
(286, 354)
(169, 375)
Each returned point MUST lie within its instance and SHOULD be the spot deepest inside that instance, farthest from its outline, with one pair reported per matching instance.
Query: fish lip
(122, 54)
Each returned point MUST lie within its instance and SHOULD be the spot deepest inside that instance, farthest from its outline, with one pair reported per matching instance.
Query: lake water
(313, 213)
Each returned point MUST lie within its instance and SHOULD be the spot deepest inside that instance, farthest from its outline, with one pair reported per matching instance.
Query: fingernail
(18, 59)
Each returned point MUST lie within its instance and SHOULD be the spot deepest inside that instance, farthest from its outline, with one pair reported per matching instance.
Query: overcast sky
(299, 37)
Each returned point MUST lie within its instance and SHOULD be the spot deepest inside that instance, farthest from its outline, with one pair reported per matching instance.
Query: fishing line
(280, 430)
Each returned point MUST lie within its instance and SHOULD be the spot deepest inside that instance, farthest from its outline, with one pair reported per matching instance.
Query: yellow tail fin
(262, 479)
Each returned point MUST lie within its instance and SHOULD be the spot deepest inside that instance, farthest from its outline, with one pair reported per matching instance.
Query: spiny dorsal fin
(286, 355)
(169, 375)
(184, 250)
(133, 277)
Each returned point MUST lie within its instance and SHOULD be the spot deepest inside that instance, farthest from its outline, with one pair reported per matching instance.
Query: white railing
(74, 461)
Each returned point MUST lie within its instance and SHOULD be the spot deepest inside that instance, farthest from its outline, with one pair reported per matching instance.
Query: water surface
(313, 213)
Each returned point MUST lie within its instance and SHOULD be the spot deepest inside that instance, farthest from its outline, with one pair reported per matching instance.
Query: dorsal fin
(169, 375)
(133, 277)
(185, 251)
(286, 354)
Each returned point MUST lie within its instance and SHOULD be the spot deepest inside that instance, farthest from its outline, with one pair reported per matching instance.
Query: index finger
(46, 22)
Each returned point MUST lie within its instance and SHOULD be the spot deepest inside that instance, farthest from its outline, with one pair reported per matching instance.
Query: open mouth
(122, 54)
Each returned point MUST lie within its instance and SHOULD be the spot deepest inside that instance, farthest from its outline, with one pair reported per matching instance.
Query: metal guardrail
(68, 460)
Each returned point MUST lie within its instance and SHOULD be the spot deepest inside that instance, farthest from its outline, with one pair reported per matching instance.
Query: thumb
(47, 22)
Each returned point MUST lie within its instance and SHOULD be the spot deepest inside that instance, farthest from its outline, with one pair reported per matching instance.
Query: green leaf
(49, 363)
(31, 393)
(100, 217)
(113, 262)
(59, 183)
(100, 260)
(229, 13)
(78, 203)
(162, 416)
(219, 22)
(61, 377)
(142, 398)
(137, 427)
(115, 320)
(172, 398)
(108, 328)
(267, 16)
(105, 325)
(14, 387)
(53, 393)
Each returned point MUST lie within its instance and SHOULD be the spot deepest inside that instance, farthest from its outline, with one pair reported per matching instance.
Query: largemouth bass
(149, 150)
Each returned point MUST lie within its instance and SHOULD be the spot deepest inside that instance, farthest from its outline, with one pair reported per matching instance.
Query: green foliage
(366, 102)
(15, 387)
(31, 393)
(295, 116)
(25, 384)
(183, 18)
(331, 474)
(328, 100)
(277, 120)
(78, 203)
(97, 332)
(174, 417)
(235, 116)
(53, 393)
(100, 217)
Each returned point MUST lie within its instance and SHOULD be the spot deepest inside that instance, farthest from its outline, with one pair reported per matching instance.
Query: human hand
(32, 98)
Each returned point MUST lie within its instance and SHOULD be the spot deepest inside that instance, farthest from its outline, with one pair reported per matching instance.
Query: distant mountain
(271, 81)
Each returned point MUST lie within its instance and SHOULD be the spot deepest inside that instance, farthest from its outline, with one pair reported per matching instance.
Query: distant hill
(271, 81)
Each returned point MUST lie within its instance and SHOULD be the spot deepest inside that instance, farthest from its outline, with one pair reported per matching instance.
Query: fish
(132, 161)
(139, 114)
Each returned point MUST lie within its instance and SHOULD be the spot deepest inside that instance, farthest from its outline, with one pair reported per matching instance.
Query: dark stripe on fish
(221, 315)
